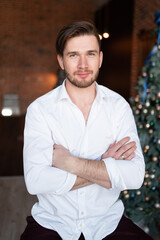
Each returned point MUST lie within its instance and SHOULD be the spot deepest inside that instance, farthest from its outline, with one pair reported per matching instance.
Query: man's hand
(121, 150)
(61, 157)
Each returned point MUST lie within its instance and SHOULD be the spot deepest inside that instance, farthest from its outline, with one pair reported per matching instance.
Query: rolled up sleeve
(126, 174)
(40, 176)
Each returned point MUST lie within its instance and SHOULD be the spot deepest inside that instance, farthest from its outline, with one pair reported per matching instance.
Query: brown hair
(75, 29)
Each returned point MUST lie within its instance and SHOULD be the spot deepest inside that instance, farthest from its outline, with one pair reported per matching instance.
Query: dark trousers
(126, 230)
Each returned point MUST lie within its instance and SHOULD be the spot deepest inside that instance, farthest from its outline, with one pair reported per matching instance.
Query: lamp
(10, 105)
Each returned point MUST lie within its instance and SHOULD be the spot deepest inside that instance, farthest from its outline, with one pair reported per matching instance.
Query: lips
(83, 74)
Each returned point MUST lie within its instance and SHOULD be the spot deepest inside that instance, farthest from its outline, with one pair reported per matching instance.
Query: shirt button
(74, 237)
(81, 193)
(82, 213)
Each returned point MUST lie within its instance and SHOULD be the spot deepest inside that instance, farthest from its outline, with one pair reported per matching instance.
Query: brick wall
(143, 40)
(28, 65)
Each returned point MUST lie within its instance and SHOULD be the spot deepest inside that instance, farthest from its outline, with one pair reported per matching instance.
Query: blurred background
(29, 69)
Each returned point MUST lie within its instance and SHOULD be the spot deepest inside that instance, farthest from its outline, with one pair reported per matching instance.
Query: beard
(83, 83)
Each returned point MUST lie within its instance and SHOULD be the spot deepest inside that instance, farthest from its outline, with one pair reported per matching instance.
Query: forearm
(81, 182)
(92, 170)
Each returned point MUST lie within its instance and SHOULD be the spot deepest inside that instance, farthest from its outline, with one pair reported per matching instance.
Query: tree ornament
(147, 104)
(153, 64)
(137, 112)
(150, 131)
(151, 77)
(147, 147)
(147, 175)
(138, 192)
(136, 99)
(126, 196)
(154, 140)
(140, 208)
(153, 87)
(147, 199)
(158, 115)
(152, 176)
(157, 107)
(157, 205)
(132, 195)
(144, 74)
(147, 125)
(139, 105)
(125, 192)
(145, 111)
(158, 141)
(153, 98)
(146, 229)
(154, 159)
(158, 94)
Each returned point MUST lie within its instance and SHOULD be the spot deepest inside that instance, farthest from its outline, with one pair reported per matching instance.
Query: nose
(82, 63)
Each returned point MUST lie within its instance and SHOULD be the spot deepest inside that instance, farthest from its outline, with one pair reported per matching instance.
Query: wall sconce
(10, 105)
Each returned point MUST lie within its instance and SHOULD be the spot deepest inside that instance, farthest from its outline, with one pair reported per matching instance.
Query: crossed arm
(88, 171)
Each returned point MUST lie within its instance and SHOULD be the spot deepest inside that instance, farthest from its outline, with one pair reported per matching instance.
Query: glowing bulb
(106, 35)
(100, 36)
(7, 112)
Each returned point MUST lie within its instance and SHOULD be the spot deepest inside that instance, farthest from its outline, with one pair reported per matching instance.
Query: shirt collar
(101, 97)
(62, 93)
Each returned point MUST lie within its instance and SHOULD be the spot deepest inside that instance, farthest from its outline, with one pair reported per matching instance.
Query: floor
(15, 205)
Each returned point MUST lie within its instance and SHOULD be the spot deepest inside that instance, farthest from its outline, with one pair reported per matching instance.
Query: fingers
(127, 149)
(130, 152)
(131, 156)
(121, 143)
(121, 150)
(125, 152)
(112, 145)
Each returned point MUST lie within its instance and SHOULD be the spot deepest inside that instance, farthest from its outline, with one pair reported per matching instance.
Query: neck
(81, 96)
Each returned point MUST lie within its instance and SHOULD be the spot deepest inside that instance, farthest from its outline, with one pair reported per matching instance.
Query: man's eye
(72, 55)
(91, 54)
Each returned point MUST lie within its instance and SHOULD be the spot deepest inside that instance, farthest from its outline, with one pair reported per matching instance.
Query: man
(81, 150)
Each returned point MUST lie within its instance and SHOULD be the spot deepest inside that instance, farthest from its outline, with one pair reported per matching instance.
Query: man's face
(81, 60)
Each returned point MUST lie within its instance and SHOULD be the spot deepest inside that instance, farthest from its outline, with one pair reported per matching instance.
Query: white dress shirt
(92, 210)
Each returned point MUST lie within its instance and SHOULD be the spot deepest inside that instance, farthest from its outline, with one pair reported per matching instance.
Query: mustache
(84, 71)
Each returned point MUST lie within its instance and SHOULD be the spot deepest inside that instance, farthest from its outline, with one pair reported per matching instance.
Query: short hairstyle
(75, 29)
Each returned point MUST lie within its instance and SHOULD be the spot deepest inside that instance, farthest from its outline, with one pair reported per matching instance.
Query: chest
(69, 128)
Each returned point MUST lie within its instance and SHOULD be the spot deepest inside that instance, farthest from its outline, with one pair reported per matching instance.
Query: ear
(60, 61)
(100, 59)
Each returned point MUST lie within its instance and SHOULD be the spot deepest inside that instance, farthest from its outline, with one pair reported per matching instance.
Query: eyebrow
(88, 51)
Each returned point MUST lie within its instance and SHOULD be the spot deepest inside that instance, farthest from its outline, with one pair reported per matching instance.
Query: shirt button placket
(81, 198)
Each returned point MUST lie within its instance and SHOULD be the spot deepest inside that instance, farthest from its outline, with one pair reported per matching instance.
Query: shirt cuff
(69, 183)
(114, 174)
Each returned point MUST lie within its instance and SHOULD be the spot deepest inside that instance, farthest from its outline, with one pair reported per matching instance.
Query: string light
(104, 35)
(100, 36)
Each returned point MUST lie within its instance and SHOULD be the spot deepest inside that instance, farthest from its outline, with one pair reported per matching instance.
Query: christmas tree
(143, 205)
